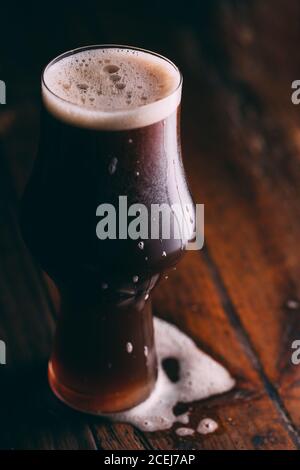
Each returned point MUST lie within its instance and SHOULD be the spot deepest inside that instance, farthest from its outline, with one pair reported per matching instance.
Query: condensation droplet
(129, 348)
(135, 279)
(146, 296)
(146, 351)
(113, 166)
(164, 253)
(104, 285)
(141, 245)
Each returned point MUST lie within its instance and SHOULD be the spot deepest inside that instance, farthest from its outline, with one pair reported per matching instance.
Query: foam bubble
(200, 377)
(111, 88)
(207, 426)
(184, 432)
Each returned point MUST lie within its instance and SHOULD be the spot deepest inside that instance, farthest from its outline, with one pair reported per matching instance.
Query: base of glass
(95, 405)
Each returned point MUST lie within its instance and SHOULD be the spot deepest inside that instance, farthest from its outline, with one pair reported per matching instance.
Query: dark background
(239, 297)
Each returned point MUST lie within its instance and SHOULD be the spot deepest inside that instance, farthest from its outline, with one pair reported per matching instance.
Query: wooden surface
(241, 140)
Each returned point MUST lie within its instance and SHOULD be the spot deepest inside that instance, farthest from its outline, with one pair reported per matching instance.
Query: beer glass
(103, 358)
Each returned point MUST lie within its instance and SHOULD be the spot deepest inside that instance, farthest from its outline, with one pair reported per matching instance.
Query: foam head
(111, 88)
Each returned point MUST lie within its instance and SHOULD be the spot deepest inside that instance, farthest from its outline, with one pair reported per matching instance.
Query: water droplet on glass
(164, 253)
(129, 348)
(146, 296)
(135, 279)
(146, 351)
(137, 173)
(130, 141)
(141, 245)
(104, 285)
(112, 166)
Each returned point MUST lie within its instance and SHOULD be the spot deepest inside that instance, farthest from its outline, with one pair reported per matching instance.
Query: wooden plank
(248, 417)
(244, 166)
(167, 440)
(211, 304)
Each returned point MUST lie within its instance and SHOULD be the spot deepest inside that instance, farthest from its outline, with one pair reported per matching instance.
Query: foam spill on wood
(200, 377)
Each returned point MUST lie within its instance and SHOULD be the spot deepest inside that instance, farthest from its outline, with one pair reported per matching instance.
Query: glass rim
(107, 46)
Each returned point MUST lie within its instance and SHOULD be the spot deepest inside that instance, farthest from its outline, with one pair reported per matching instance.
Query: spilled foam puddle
(200, 377)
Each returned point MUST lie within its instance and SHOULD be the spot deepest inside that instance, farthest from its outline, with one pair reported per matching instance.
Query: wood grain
(241, 140)
(247, 169)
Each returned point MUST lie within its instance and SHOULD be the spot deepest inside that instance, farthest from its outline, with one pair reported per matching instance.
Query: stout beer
(110, 128)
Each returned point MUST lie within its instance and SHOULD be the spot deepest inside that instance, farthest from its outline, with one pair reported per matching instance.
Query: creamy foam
(200, 377)
(111, 88)
(182, 432)
(207, 426)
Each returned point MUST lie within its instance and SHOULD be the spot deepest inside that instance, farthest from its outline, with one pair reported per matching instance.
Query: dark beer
(110, 128)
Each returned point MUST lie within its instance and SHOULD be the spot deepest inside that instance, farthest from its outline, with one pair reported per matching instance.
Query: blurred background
(239, 298)
(244, 51)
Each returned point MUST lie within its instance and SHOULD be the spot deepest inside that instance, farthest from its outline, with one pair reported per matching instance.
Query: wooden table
(239, 298)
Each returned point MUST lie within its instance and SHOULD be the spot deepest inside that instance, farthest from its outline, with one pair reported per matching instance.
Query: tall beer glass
(109, 128)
